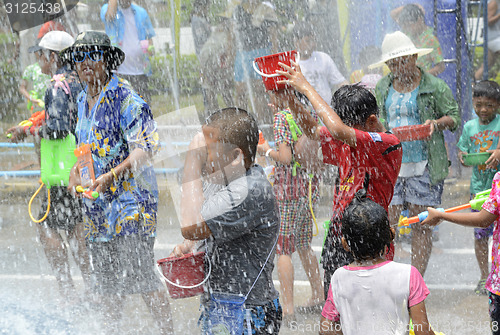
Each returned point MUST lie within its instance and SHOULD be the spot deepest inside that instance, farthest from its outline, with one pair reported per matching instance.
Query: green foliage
(10, 76)
(163, 70)
(493, 71)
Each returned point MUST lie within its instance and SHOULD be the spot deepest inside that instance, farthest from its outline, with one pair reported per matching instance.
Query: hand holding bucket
(268, 65)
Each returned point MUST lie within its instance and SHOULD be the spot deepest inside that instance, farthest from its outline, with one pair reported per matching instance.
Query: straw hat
(397, 45)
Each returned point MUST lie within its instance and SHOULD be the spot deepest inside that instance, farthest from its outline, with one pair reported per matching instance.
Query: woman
(120, 225)
(411, 96)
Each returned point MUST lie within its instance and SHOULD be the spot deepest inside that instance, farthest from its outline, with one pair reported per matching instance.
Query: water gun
(39, 101)
(475, 204)
(87, 192)
(403, 229)
(36, 119)
(262, 140)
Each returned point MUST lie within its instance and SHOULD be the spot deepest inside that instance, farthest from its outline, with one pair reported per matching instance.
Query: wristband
(114, 173)
(268, 151)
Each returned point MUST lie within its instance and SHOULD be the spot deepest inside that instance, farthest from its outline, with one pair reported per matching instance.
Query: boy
(238, 214)
(292, 181)
(481, 135)
(486, 217)
(353, 139)
(318, 68)
(65, 211)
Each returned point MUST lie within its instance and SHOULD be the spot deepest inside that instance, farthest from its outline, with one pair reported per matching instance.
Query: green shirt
(434, 100)
(427, 39)
(479, 138)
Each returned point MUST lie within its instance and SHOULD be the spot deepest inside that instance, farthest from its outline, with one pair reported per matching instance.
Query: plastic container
(476, 159)
(184, 275)
(412, 133)
(268, 66)
(57, 159)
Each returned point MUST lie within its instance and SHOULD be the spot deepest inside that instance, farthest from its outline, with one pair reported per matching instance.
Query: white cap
(56, 41)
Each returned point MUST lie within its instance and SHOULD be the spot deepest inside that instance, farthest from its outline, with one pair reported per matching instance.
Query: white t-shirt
(322, 73)
(374, 300)
(134, 56)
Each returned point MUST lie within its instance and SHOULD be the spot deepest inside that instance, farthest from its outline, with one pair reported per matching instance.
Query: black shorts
(124, 265)
(65, 210)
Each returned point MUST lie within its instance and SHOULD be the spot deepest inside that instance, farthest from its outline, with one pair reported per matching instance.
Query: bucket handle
(297, 60)
(182, 286)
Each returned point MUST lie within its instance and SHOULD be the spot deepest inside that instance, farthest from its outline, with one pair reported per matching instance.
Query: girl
(372, 295)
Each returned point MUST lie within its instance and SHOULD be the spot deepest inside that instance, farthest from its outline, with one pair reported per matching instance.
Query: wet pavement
(30, 301)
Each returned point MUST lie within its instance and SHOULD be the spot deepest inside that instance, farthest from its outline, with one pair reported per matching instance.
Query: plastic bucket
(226, 314)
(184, 275)
(267, 66)
(479, 158)
(412, 133)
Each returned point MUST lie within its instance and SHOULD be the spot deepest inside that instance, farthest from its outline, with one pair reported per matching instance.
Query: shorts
(494, 45)
(65, 210)
(494, 308)
(265, 319)
(124, 265)
(243, 64)
(480, 233)
(296, 225)
(417, 190)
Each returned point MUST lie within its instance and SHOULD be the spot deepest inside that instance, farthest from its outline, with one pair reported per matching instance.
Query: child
(318, 68)
(483, 219)
(238, 215)
(481, 135)
(291, 187)
(353, 139)
(373, 295)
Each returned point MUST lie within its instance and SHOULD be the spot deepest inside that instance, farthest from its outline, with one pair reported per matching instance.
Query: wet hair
(303, 29)
(237, 127)
(410, 13)
(354, 104)
(365, 227)
(488, 89)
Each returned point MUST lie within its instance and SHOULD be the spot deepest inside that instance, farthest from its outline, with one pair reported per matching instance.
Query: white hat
(397, 45)
(56, 41)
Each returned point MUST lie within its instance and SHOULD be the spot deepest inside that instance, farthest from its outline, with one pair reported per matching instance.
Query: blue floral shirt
(119, 123)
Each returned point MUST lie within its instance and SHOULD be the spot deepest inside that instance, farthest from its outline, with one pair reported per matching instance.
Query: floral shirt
(428, 40)
(119, 123)
(491, 206)
(33, 74)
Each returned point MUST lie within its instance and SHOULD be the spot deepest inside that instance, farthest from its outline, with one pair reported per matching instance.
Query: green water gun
(475, 204)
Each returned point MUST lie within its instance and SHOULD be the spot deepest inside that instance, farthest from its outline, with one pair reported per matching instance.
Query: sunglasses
(94, 55)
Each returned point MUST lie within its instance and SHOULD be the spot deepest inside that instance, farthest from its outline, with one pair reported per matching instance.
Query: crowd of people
(98, 94)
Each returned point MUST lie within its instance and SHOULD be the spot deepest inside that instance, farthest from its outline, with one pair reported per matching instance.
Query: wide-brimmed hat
(89, 39)
(396, 45)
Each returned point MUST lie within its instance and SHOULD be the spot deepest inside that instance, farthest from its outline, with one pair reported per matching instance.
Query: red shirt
(378, 154)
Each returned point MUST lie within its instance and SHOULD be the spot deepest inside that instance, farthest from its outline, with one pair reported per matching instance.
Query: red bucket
(412, 133)
(268, 66)
(184, 275)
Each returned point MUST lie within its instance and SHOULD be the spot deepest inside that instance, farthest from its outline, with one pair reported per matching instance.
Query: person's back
(372, 295)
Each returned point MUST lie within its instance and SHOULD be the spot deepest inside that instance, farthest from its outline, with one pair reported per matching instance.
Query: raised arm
(332, 121)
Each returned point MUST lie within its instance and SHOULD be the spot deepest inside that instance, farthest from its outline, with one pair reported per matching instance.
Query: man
(129, 27)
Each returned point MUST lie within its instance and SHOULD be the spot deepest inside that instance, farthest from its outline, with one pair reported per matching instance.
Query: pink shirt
(491, 206)
(374, 299)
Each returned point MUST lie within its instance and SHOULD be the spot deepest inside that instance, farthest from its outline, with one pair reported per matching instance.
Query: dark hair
(237, 127)
(365, 227)
(303, 29)
(487, 89)
(410, 13)
(354, 104)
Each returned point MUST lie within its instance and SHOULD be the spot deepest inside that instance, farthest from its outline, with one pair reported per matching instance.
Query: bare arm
(112, 9)
(492, 12)
(282, 155)
(332, 121)
(421, 324)
(193, 226)
(483, 219)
